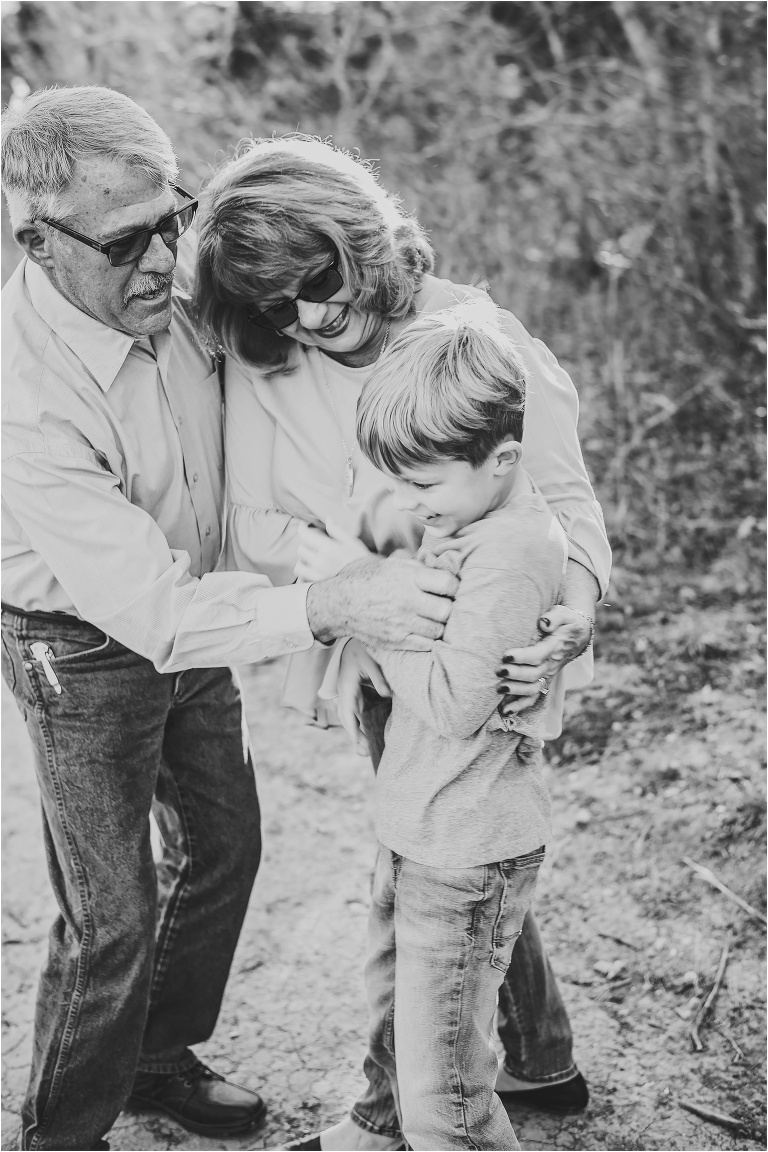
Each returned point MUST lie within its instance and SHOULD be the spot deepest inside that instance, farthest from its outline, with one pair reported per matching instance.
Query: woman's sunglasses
(317, 289)
(130, 248)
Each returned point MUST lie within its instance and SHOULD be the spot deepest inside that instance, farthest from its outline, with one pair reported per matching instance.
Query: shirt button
(207, 531)
(194, 478)
(180, 421)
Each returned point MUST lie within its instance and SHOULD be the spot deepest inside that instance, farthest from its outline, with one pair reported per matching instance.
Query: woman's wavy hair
(276, 210)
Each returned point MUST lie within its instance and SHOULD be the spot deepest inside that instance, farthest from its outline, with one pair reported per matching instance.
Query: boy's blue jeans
(139, 955)
(439, 943)
(532, 1019)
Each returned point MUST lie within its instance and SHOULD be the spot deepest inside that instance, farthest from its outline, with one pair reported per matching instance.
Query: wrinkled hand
(357, 668)
(396, 603)
(323, 554)
(567, 634)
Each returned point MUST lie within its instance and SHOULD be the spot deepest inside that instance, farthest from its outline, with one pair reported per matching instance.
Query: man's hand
(323, 554)
(397, 603)
(356, 668)
(525, 672)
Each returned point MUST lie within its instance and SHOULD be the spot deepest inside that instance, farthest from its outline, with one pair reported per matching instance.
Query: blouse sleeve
(260, 537)
(552, 454)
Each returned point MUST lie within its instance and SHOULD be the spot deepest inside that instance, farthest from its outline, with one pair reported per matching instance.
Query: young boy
(462, 810)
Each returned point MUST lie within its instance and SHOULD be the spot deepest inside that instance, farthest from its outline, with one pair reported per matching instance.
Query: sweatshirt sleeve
(453, 687)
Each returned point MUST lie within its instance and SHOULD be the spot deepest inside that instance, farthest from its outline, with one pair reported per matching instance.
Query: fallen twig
(619, 940)
(637, 848)
(710, 878)
(739, 1052)
(721, 1118)
(703, 1012)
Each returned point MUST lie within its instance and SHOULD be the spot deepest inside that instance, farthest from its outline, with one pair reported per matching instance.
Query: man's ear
(35, 244)
(507, 456)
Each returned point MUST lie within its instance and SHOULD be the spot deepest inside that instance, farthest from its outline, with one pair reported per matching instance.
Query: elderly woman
(307, 269)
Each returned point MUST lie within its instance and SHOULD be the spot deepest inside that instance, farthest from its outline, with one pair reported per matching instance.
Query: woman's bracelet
(589, 621)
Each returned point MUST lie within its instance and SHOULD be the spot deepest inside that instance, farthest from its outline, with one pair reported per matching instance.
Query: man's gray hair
(48, 132)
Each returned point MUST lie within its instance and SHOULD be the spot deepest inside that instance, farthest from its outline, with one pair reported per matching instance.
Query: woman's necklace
(349, 472)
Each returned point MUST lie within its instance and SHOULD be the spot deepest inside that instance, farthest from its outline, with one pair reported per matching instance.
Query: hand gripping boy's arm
(454, 687)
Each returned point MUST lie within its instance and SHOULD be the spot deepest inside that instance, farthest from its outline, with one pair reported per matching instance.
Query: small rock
(688, 1009)
(609, 968)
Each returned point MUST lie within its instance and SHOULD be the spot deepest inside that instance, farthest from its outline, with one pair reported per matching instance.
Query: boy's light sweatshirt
(455, 788)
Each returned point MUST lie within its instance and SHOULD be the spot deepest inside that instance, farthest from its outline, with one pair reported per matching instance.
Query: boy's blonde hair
(451, 385)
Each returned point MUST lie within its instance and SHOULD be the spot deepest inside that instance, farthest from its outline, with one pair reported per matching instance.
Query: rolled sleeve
(587, 541)
(116, 565)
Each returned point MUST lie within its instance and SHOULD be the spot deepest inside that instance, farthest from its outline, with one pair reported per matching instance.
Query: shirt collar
(102, 350)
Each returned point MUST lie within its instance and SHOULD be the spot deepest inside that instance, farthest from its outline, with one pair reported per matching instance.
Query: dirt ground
(656, 764)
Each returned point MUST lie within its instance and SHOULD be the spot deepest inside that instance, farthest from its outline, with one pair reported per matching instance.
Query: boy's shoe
(567, 1096)
(200, 1100)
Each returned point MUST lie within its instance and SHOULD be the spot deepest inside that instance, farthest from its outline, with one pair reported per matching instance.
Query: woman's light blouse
(286, 458)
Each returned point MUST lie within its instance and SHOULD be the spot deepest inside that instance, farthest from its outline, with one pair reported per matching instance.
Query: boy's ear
(507, 456)
(35, 244)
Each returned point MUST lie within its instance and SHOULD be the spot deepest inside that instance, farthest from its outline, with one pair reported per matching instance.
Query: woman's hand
(526, 672)
(356, 668)
(323, 554)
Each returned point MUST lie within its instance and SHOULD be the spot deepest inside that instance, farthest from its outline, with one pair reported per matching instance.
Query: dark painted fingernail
(501, 673)
(509, 659)
(545, 620)
(501, 690)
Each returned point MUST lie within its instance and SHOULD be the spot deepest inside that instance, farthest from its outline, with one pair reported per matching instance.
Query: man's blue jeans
(139, 955)
(532, 1019)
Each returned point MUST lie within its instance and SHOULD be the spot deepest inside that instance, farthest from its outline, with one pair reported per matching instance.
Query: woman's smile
(335, 328)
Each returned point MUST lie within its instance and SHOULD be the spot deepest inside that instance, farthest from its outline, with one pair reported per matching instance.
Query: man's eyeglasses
(131, 247)
(317, 289)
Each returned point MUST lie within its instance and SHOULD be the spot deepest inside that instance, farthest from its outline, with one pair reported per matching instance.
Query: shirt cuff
(280, 624)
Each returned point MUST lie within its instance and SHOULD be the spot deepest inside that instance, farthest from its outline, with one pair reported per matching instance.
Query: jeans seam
(460, 1005)
(553, 1077)
(174, 908)
(86, 935)
(388, 1029)
(497, 923)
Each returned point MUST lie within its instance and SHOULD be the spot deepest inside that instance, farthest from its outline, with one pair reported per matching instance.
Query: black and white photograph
(383, 575)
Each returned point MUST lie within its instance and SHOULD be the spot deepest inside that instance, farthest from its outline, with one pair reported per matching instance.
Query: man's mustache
(146, 283)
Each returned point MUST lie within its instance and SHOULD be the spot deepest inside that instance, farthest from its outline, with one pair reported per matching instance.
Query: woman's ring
(543, 685)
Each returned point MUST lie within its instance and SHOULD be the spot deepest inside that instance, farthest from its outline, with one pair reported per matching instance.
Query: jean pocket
(518, 878)
(79, 650)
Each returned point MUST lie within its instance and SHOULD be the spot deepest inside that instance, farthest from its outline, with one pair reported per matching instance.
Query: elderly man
(118, 632)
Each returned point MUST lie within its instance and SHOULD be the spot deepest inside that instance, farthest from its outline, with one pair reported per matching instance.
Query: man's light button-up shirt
(113, 486)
